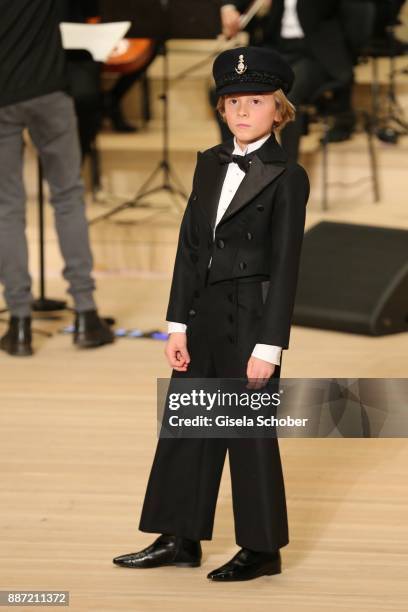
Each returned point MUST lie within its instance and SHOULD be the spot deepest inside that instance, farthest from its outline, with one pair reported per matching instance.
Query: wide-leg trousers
(185, 476)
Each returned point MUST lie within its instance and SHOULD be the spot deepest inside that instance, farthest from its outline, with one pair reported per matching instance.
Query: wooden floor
(78, 432)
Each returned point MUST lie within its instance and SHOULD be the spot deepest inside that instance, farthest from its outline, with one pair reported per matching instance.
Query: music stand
(42, 303)
(162, 20)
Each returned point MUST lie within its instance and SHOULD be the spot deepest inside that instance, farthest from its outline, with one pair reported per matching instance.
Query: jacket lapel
(212, 174)
(268, 163)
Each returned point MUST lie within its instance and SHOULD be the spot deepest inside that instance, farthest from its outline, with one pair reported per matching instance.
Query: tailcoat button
(194, 196)
(220, 244)
(260, 207)
(192, 312)
(242, 265)
(249, 236)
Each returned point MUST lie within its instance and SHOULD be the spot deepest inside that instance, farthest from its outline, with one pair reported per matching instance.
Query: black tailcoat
(257, 246)
(260, 235)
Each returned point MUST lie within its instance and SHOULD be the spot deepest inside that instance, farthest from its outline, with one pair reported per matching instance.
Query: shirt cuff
(175, 327)
(268, 352)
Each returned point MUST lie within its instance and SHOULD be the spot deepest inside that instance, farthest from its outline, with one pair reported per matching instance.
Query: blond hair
(286, 109)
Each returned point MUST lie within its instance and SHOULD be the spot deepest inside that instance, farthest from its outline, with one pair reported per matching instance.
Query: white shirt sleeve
(268, 352)
(175, 327)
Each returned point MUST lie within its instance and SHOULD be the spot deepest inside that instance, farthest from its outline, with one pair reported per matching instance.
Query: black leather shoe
(90, 330)
(246, 565)
(338, 134)
(112, 109)
(17, 339)
(165, 550)
(119, 123)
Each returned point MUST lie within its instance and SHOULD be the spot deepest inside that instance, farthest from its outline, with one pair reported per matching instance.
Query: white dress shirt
(232, 181)
(291, 27)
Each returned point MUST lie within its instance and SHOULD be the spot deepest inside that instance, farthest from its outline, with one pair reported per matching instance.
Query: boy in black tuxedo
(229, 314)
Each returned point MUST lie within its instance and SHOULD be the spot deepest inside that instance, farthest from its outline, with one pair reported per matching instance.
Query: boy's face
(250, 116)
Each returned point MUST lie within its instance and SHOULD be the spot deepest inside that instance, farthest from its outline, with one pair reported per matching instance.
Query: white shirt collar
(251, 147)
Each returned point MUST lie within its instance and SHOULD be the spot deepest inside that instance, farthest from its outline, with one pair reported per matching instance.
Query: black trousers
(185, 476)
(310, 75)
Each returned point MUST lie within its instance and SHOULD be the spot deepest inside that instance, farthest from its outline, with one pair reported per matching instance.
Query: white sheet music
(99, 39)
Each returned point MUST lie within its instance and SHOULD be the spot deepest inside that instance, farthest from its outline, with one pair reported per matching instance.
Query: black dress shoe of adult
(112, 109)
(119, 122)
(246, 565)
(90, 330)
(122, 126)
(165, 550)
(17, 340)
(338, 134)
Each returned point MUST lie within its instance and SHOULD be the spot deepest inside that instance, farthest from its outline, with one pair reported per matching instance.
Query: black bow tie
(243, 161)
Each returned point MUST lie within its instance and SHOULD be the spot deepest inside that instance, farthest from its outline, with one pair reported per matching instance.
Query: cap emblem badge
(241, 67)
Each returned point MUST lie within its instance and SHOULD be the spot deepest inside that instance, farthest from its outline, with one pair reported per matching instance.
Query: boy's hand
(176, 351)
(258, 372)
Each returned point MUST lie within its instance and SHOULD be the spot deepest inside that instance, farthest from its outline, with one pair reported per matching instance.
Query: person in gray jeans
(33, 96)
(51, 122)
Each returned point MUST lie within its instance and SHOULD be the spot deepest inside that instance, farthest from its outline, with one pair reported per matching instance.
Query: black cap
(252, 69)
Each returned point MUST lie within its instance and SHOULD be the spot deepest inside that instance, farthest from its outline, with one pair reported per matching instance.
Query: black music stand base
(43, 304)
(175, 191)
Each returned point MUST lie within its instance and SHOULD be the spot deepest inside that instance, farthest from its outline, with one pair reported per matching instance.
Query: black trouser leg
(258, 494)
(182, 490)
(309, 77)
(258, 491)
